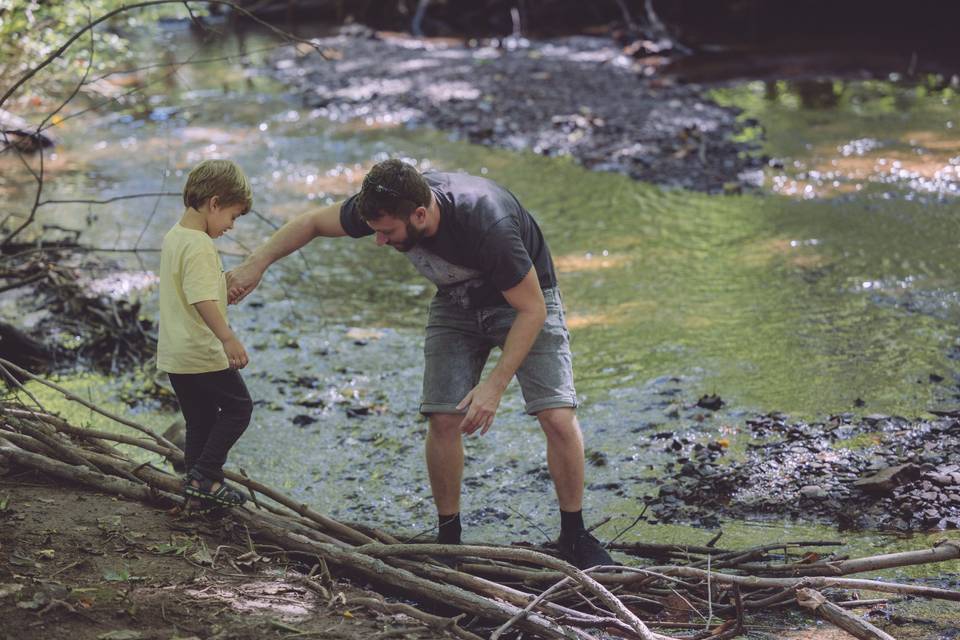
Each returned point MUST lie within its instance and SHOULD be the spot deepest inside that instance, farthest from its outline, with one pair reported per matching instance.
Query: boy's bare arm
(293, 235)
(210, 313)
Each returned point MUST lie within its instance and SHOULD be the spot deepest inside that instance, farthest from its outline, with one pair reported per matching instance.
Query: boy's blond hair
(223, 178)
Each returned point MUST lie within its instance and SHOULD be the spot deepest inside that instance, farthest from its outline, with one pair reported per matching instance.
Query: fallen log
(18, 347)
(857, 627)
(83, 475)
(943, 551)
(813, 582)
(622, 612)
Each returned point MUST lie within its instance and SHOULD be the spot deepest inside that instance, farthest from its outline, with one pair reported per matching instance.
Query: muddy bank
(91, 566)
(576, 96)
(878, 473)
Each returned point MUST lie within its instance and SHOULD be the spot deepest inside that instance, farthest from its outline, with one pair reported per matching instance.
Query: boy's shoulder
(180, 237)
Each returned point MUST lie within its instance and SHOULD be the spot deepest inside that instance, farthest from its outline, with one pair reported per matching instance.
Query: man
(496, 287)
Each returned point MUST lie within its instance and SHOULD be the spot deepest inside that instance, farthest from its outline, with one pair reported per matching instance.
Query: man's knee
(560, 423)
(445, 426)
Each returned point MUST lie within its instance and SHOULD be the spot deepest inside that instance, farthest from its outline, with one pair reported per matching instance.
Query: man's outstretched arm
(484, 399)
(295, 234)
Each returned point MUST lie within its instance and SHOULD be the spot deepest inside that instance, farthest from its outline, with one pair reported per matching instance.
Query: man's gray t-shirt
(485, 244)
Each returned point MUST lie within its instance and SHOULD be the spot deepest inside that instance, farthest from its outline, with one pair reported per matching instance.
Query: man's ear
(420, 213)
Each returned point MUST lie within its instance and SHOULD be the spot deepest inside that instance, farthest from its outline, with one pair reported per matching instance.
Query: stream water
(834, 286)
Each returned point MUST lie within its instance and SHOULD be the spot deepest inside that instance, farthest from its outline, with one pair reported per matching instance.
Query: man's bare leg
(565, 460)
(564, 455)
(444, 449)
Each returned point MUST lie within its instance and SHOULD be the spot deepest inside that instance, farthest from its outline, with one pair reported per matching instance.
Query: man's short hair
(223, 178)
(394, 188)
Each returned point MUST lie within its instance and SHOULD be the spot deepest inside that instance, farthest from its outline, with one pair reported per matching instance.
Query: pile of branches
(81, 325)
(504, 590)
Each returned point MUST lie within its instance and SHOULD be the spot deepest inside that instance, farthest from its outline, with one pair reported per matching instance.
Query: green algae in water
(760, 297)
(775, 303)
(797, 117)
(103, 392)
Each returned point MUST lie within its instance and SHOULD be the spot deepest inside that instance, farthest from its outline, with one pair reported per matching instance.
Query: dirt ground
(88, 566)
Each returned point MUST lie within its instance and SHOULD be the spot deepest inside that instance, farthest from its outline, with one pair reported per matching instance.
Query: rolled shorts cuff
(427, 408)
(556, 402)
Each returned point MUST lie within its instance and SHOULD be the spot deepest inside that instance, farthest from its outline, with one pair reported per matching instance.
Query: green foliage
(30, 30)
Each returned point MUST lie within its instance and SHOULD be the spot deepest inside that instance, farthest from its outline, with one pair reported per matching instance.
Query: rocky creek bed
(576, 96)
(875, 472)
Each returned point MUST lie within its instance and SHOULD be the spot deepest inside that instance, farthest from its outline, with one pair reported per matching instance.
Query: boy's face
(220, 219)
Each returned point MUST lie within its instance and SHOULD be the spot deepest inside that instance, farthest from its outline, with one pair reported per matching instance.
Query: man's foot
(450, 561)
(582, 550)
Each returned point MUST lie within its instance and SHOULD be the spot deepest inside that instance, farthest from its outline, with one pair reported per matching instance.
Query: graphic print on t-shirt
(453, 280)
(485, 244)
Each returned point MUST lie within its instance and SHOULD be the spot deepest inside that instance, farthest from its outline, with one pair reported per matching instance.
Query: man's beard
(414, 236)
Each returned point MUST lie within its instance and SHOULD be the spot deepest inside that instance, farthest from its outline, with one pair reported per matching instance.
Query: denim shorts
(458, 342)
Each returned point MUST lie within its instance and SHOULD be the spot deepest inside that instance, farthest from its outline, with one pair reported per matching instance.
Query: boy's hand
(236, 354)
(241, 281)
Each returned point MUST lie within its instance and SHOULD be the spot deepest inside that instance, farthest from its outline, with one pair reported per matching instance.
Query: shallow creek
(831, 289)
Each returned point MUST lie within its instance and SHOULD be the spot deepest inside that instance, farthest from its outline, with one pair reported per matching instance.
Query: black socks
(449, 526)
(571, 522)
(449, 529)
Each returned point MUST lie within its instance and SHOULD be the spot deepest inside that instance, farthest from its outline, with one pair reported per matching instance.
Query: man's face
(400, 234)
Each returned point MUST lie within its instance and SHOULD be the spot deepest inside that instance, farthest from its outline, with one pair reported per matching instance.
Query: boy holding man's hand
(196, 347)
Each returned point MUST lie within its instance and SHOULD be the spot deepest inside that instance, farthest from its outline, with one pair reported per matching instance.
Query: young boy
(196, 346)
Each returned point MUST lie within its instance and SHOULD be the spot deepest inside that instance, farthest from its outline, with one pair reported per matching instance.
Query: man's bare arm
(484, 399)
(323, 222)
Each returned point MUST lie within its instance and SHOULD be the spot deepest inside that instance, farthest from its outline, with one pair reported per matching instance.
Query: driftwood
(17, 346)
(500, 589)
(814, 601)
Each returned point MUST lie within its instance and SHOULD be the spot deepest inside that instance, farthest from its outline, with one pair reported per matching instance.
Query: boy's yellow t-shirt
(190, 272)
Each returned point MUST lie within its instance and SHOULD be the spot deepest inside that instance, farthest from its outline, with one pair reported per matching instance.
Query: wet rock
(604, 486)
(302, 420)
(712, 402)
(904, 493)
(885, 480)
(311, 399)
(597, 458)
(668, 490)
(813, 492)
(941, 479)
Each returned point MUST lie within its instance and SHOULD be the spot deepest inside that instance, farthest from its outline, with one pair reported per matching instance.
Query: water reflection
(858, 135)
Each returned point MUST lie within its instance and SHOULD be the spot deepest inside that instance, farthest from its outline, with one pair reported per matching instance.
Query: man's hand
(483, 401)
(242, 280)
(236, 354)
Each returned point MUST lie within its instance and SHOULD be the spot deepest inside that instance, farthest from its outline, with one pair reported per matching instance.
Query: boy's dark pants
(216, 408)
